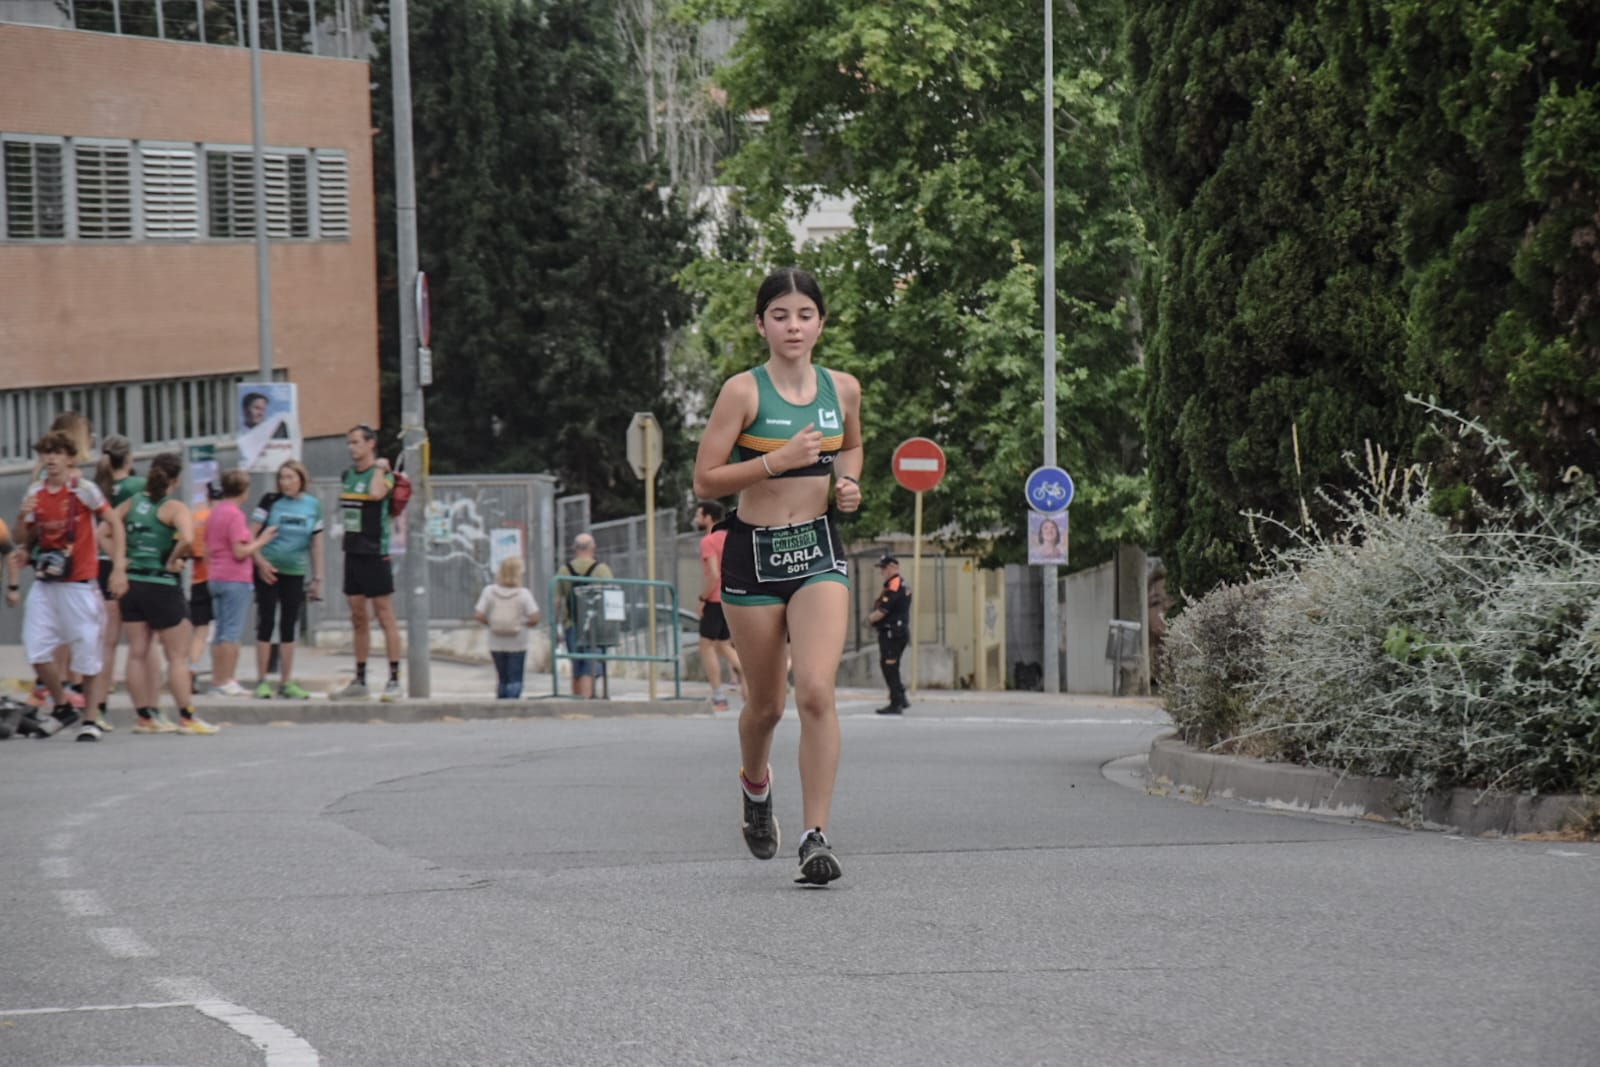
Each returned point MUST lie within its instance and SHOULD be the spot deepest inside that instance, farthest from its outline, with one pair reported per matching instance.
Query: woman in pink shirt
(230, 551)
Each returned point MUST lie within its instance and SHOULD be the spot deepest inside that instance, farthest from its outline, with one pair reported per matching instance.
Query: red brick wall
(79, 312)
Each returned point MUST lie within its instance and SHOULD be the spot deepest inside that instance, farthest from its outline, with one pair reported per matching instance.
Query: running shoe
(195, 725)
(891, 709)
(232, 689)
(818, 864)
(90, 731)
(62, 718)
(29, 725)
(761, 832)
(353, 691)
(391, 691)
(156, 724)
(104, 722)
(719, 704)
(290, 691)
(264, 691)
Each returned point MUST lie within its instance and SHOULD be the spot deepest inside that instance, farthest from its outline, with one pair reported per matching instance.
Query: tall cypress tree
(1277, 309)
(548, 245)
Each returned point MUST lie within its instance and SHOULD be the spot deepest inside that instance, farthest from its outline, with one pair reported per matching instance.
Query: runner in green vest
(787, 438)
(160, 540)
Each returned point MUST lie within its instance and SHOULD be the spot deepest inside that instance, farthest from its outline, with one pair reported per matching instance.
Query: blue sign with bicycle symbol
(1049, 490)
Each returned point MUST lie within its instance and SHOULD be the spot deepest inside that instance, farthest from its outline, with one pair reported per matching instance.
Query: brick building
(127, 254)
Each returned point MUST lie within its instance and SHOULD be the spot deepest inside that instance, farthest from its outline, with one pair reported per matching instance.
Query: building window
(104, 182)
(167, 413)
(171, 192)
(35, 190)
(230, 191)
(333, 196)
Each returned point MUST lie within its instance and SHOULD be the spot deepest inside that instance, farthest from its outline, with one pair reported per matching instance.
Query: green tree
(1277, 307)
(1491, 117)
(929, 117)
(549, 247)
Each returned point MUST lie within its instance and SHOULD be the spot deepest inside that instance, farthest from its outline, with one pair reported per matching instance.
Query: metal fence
(611, 621)
(472, 521)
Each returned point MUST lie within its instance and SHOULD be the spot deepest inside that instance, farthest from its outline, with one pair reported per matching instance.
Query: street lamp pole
(258, 178)
(412, 427)
(1052, 607)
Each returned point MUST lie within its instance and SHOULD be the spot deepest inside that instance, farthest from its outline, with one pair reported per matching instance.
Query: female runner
(776, 435)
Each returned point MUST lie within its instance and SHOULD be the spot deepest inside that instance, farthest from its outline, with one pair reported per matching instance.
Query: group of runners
(784, 438)
(111, 555)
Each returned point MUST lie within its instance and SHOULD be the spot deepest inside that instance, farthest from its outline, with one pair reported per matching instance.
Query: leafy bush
(1404, 645)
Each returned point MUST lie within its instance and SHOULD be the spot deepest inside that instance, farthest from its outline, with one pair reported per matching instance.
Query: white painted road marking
(111, 802)
(82, 903)
(121, 942)
(96, 1007)
(284, 1048)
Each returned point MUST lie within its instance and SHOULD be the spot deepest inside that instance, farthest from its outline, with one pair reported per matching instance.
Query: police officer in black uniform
(891, 614)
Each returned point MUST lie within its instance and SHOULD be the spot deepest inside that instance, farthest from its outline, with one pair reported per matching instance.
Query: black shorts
(200, 604)
(105, 578)
(160, 606)
(739, 584)
(368, 576)
(713, 623)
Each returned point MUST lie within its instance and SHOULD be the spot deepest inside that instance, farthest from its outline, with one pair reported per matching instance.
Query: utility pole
(258, 167)
(1052, 608)
(412, 427)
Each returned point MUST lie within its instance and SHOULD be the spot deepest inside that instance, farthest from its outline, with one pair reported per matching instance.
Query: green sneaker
(290, 691)
(264, 691)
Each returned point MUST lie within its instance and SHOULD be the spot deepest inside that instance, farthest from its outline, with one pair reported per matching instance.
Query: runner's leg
(818, 617)
(759, 629)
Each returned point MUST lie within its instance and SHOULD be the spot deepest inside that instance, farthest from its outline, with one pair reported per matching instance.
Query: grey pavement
(575, 891)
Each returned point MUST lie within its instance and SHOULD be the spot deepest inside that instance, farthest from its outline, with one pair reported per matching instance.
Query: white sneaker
(232, 689)
(391, 692)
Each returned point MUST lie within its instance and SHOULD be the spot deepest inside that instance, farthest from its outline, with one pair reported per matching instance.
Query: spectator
(229, 551)
(368, 576)
(582, 565)
(716, 643)
(287, 570)
(508, 609)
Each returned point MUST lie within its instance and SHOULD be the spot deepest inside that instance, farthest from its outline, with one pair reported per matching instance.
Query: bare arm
(847, 466)
(117, 584)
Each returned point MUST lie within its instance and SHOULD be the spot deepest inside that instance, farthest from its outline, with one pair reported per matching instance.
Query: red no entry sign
(918, 464)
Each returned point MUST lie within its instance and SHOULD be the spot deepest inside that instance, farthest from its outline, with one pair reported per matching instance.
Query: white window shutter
(171, 193)
(333, 196)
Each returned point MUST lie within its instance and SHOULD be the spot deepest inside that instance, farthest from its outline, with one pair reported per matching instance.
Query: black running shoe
(818, 864)
(63, 717)
(28, 725)
(90, 731)
(890, 709)
(760, 826)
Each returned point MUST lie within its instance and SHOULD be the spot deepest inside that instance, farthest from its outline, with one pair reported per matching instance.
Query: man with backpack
(582, 565)
(364, 512)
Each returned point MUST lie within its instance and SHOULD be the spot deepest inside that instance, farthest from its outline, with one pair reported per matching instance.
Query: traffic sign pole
(650, 544)
(916, 586)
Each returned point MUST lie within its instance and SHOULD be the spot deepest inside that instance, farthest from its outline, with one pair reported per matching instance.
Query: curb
(1290, 787)
(313, 712)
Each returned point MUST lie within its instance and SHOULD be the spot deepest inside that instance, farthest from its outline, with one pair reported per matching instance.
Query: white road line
(121, 942)
(82, 903)
(205, 773)
(58, 842)
(1005, 720)
(256, 763)
(1563, 853)
(111, 802)
(97, 1007)
(325, 752)
(396, 744)
(284, 1048)
(56, 866)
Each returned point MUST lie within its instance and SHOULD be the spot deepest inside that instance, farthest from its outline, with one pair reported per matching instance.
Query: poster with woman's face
(269, 425)
(1047, 537)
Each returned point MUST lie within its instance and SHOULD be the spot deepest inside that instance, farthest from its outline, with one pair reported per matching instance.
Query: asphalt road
(577, 892)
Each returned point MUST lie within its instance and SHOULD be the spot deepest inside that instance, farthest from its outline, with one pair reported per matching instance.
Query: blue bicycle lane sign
(1049, 490)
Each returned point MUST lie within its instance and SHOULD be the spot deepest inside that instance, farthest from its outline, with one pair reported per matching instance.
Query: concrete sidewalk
(463, 690)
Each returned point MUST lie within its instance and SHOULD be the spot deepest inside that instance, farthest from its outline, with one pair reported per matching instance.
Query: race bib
(352, 518)
(785, 553)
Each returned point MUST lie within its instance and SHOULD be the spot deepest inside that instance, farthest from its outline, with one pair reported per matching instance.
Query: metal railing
(614, 620)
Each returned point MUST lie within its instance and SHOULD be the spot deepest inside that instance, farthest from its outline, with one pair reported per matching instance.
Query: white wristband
(766, 467)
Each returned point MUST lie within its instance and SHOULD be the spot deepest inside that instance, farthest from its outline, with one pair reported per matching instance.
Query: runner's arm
(847, 465)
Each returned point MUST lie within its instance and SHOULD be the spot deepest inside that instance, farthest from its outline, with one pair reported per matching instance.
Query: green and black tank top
(150, 542)
(777, 421)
